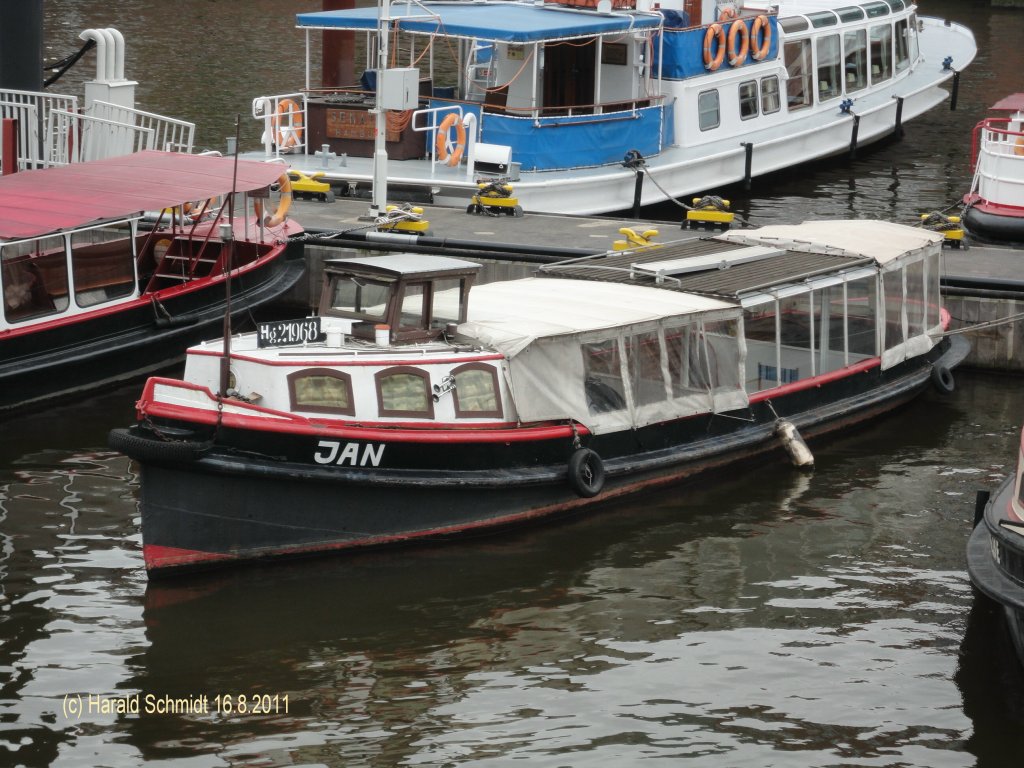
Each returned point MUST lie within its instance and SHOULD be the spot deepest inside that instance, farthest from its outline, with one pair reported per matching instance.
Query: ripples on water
(807, 620)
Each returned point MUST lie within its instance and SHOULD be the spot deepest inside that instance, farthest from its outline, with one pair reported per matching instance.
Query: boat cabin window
(447, 303)
(103, 265)
(708, 110)
(770, 99)
(850, 14)
(829, 83)
(602, 372)
(881, 53)
(855, 45)
(643, 361)
(721, 339)
(861, 314)
(892, 285)
(321, 390)
(361, 297)
(902, 41)
(687, 360)
(748, 99)
(476, 391)
(404, 391)
(912, 37)
(34, 277)
(794, 24)
(798, 71)
(822, 19)
(876, 9)
(413, 312)
(896, 5)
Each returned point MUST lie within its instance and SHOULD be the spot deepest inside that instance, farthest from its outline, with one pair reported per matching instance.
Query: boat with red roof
(110, 269)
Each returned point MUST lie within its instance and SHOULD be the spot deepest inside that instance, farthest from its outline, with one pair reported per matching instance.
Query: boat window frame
(790, 24)
(901, 43)
(821, 19)
(837, 67)
(862, 65)
(876, 9)
(460, 412)
(331, 373)
(850, 13)
(804, 57)
(130, 239)
(770, 93)
(896, 5)
(748, 101)
(31, 261)
(702, 111)
(886, 54)
(409, 370)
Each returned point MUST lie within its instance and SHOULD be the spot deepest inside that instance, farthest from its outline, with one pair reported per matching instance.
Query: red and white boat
(110, 269)
(415, 406)
(994, 208)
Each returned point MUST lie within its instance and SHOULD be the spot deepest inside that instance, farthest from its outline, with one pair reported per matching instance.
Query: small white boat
(417, 406)
(593, 106)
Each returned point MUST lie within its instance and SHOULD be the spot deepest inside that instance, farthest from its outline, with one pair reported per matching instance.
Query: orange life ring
(1018, 146)
(287, 135)
(762, 27)
(200, 208)
(737, 55)
(443, 140)
(714, 33)
(285, 185)
(726, 14)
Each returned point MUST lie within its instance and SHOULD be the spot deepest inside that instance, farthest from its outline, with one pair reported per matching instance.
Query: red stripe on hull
(158, 558)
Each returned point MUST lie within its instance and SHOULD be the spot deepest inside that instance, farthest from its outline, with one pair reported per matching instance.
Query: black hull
(249, 495)
(993, 227)
(1001, 581)
(58, 362)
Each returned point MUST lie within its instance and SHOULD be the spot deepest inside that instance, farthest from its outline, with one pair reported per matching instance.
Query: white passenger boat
(592, 106)
(415, 406)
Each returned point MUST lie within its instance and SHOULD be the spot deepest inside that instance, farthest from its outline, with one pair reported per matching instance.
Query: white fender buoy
(795, 446)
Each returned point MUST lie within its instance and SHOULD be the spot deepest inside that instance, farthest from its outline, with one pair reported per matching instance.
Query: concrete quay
(981, 284)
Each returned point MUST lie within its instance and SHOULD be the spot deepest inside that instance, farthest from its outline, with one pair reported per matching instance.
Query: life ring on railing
(763, 27)
(714, 33)
(443, 140)
(726, 14)
(1018, 146)
(737, 55)
(285, 185)
(287, 135)
(586, 472)
(200, 208)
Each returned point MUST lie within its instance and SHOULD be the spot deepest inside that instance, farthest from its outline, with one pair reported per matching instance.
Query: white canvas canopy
(548, 327)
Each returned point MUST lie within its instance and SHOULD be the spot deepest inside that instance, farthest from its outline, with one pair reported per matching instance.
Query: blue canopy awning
(508, 22)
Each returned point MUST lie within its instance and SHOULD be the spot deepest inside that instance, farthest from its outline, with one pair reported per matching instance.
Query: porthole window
(476, 391)
(321, 390)
(708, 110)
(404, 391)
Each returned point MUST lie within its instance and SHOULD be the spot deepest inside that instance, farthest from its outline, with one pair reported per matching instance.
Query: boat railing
(284, 119)
(32, 110)
(431, 114)
(169, 134)
(74, 138)
(996, 136)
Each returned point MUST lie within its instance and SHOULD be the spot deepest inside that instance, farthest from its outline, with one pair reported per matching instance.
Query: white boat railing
(169, 134)
(32, 110)
(469, 125)
(999, 165)
(74, 138)
(284, 123)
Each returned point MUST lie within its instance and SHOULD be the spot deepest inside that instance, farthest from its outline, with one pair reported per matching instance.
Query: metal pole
(380, 153)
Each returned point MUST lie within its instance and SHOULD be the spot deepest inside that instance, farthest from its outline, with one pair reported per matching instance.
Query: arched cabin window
(476, 391)
(321, 390)
(404, 391)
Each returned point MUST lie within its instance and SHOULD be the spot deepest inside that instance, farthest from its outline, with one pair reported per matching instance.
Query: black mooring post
(898, 129)
(638, 189)
(956, 91)
(853, 136)
(748, 148)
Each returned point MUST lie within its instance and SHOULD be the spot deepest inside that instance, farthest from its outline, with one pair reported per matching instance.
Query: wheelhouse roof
(509, 22)
(1012, 103)
(50, 200)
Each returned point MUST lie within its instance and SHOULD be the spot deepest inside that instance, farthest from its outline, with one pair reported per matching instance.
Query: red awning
(1011, 103)
(34, 203)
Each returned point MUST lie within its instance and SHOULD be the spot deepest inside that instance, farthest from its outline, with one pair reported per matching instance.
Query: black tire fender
(942, 378)
(586, 473)
(147, 449)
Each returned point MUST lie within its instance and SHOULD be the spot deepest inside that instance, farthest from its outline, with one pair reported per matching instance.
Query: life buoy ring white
(715, 34)
(443, 141)
(761, 27)
(287, 134)
(285, 185)
(738, 54)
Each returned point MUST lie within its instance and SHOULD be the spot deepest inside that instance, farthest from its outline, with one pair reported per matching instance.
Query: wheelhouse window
(413, 307)
(321, 390)
(881, 53)
(770, 100)
(446, 303)
(643, 361)
(829, 82)
(708, 110)
(798, 73)
(34, 278)
(748, 100)
(855, 47)
(404, 391)
(602, 373)
(476, 391)
(103, 265)
(361, 296)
